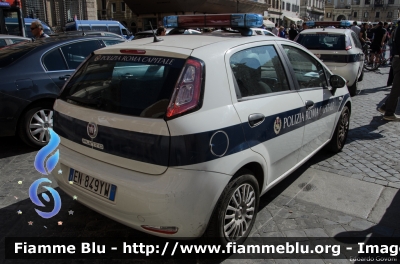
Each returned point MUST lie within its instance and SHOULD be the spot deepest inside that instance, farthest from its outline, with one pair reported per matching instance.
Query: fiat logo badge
(92, 130)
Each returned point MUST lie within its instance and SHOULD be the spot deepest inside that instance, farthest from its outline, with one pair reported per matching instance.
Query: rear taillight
(187, 93)
(348, 47)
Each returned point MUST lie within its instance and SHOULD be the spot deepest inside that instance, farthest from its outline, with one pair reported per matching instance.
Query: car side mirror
(336, 82)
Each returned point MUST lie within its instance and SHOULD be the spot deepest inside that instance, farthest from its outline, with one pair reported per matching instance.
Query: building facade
(312, 10)
(362, 10)
(56, 13)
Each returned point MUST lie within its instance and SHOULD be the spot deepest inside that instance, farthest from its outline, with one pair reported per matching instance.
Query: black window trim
(296, 83)
(59, 47)
(285, 71)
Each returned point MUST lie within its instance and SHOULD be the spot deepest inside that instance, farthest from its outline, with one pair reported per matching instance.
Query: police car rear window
(323, 41)
(125, 84)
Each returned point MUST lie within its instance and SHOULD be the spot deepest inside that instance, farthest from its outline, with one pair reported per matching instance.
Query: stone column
(91, 9)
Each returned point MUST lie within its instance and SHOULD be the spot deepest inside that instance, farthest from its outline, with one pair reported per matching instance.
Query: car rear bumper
(349, 71)
(179, 198)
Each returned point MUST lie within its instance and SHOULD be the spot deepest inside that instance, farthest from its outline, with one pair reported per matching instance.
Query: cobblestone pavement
(371, 155)
(372, 152)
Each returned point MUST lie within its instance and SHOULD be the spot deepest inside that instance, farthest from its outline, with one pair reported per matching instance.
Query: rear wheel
(342, 129)
(34, 125)
(361, 76)
(236, 210)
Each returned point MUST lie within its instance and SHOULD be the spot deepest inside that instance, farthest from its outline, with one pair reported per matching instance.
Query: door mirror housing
(336, 82)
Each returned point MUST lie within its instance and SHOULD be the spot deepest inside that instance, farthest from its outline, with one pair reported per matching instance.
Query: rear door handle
(309, 104)
(65, 77)
(256, 119)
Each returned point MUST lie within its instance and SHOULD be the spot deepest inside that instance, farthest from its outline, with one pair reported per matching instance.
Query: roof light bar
(221, 20)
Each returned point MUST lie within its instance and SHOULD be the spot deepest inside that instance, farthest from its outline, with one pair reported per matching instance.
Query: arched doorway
(341, 17)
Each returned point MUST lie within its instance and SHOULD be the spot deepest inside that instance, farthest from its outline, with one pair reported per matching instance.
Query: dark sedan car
(31, 76)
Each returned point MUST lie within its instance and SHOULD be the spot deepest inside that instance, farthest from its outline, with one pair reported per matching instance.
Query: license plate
(92, 184)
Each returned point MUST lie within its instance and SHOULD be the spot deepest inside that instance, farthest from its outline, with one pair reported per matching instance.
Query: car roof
(88, 33)
(45, 43)
(194, 41)
(330, 30)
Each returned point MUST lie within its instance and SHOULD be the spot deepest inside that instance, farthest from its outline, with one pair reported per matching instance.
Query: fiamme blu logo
(45, 161)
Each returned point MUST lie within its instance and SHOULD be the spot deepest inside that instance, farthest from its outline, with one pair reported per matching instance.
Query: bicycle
(374, 65)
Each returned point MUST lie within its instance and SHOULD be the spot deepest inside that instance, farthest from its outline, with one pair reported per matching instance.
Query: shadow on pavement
(385, 232)
(13, 146)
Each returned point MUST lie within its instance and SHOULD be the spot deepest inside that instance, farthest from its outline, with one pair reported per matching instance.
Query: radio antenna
(154, 33)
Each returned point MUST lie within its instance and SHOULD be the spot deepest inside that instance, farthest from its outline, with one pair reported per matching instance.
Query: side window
(53, 61)
(309, 72)
(99, 28)
(114, 29)
(356, 40)
(258, 71)
(76, 53)
(258, 32)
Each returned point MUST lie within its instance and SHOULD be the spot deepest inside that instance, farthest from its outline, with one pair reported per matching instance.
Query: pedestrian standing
(378, 41)
(37, 30)
(370, 33)
(293, 32)
(282, 32)
(389, 107)
(275, 30)
(356, 28)
(363, 34)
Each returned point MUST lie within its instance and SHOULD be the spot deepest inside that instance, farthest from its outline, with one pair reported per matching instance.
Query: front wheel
(33, 128)
(236, 210)
(342, 129)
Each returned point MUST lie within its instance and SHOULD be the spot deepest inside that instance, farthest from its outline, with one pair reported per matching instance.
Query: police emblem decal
(97, 58)
(277, 125)
(92, 130)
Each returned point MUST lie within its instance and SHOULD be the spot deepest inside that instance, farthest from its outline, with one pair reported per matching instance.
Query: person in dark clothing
(389, 107)
(378, 42)
(363, 34)
(293, 32)
(37, 30)
(370, 33)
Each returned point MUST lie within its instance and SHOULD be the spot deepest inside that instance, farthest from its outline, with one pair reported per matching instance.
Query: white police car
(339, 49)
(180, 137)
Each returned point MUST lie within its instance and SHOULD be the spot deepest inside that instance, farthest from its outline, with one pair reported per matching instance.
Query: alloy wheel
(39, 124)
(239, 212)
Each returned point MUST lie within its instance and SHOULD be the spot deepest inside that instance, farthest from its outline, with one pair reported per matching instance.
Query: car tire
(33, 128)
(342, 129)
(353, 88)
(230, 208)
(361, 76)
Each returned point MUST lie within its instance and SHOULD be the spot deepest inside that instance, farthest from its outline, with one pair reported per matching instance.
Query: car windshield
(323, 41)
(125, 84)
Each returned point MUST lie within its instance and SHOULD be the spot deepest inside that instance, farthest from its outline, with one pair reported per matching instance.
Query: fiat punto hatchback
(339, 49)
(180, 136)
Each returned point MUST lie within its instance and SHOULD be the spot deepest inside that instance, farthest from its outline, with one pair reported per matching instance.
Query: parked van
(12, 24)
(99, 25)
